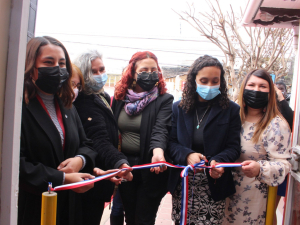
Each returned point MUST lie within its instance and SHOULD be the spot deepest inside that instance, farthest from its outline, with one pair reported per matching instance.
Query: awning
(272, 13)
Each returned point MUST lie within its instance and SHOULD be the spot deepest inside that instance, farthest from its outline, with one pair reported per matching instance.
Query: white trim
(251, 11)
(294, 176)
(289, 201)
(294, 87)
(12, 111)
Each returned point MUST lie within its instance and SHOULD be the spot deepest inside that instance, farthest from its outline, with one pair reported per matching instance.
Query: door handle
(295, 160)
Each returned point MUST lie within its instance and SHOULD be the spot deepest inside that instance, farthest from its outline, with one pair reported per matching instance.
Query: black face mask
(256, 99)
(147, 80)
(50, 79)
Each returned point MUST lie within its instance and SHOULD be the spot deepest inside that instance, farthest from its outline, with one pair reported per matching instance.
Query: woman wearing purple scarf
(143, 110)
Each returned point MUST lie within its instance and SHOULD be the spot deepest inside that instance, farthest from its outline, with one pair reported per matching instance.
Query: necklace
(201, 118)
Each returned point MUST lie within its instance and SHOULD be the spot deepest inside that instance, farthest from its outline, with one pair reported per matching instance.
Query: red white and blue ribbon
(185, 184)
(184, 176)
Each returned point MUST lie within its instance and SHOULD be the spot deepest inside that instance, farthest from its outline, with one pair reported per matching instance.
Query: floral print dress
(248, 204)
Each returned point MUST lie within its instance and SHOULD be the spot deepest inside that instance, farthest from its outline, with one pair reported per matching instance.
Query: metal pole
(271, 205)
(49, 207)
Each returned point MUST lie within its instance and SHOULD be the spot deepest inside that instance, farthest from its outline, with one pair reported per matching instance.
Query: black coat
(221, 136)
(286, 112)
(100, 126)
(155, 127)
(40, 154)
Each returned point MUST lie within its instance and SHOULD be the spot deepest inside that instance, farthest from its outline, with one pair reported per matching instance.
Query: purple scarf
(136, 102)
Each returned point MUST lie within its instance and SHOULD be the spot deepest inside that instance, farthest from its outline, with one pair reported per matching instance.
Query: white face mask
(76, 91)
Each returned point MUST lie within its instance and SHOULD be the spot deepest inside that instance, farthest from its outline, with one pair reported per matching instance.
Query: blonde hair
(76, 70)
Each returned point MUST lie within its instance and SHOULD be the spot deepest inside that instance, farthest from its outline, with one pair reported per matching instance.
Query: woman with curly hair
(205, 126)
(143, 109)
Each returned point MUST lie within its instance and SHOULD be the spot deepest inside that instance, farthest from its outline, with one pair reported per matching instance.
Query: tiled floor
(279, 211)
(163, 213)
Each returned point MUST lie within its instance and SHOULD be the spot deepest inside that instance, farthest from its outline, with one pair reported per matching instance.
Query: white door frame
(294, 176)
(12, 111)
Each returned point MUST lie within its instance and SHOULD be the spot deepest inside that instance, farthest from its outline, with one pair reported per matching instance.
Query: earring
(133, 84)
(156, 84)
(265, 109)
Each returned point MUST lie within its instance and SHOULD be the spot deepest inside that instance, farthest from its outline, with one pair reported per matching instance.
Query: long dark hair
(189, 95)
(65, 93)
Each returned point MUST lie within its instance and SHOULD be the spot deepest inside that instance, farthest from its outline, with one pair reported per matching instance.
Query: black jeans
(92, 209)
(140, 208)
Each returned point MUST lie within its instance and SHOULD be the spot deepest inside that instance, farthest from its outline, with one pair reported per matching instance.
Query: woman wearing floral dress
(265, 148)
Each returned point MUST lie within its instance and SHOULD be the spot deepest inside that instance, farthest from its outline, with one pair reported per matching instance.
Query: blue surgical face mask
(101, 80)
(208, 92)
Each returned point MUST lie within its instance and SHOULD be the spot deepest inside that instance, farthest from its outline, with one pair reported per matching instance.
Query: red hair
(128, 74)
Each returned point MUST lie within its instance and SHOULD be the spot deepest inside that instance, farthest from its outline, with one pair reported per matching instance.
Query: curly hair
(128, 74)
(189, 95)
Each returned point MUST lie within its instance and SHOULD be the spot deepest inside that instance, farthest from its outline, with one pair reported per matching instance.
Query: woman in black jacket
(93, 106)
(54, 147)
(143, 110)
(205, 126)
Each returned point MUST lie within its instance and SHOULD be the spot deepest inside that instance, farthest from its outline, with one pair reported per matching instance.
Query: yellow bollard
(49, 206)
(272, 195)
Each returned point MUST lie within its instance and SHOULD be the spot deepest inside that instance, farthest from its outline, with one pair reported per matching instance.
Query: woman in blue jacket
(205, 126)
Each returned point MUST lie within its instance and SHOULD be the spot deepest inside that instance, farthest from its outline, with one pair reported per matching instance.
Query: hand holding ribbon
(98, 172)
(71, 178)
(158, 156)
(184, 176)
(215, 172)
(250, 168)
(126, 173)
(195, 158)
